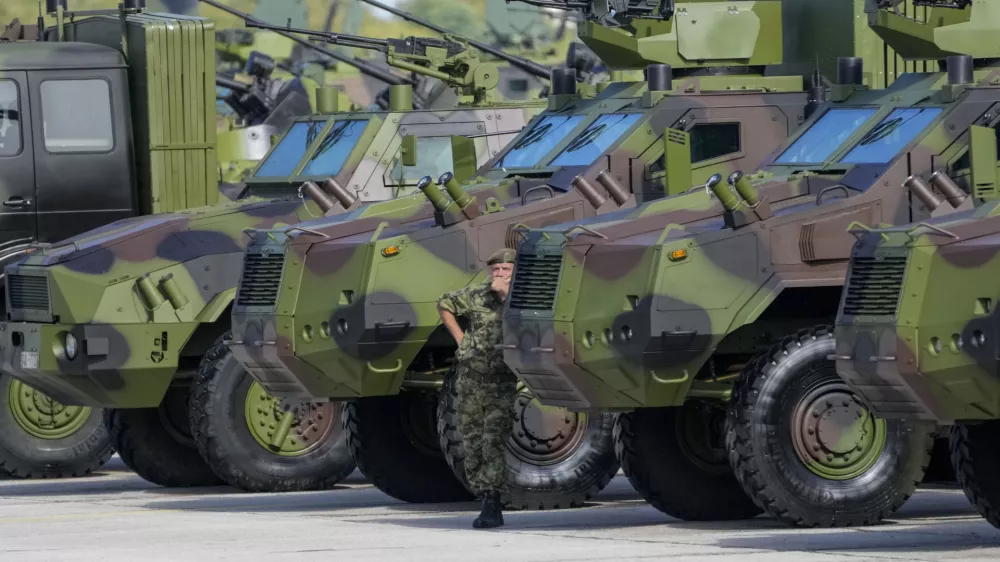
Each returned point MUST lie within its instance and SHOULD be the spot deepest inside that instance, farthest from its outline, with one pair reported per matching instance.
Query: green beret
(506, 255)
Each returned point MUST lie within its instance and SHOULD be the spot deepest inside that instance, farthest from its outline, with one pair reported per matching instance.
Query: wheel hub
(41, 416)
(835, 435)
(289, 428)
(701, 435)
(544, 434)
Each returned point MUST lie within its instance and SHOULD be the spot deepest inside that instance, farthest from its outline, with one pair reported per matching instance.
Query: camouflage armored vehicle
(153, 304)
(699, 324)
(354, 315)
(916, 328)
(79, 148)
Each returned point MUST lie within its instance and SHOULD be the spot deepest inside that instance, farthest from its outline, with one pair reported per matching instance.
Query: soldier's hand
(501, 286)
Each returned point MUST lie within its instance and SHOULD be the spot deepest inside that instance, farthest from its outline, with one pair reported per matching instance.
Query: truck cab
(66, 158)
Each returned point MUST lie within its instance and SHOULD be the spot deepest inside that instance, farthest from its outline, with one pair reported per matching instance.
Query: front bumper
(893, 368)
(116, 366)
(304, 360)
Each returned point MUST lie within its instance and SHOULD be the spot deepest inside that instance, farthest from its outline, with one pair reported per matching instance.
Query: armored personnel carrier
(700, 324)
(353, 316)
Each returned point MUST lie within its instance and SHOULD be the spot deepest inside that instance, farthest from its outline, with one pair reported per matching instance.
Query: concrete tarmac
(117, 516)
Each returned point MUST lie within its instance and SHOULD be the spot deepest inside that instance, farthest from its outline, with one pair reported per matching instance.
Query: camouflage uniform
(486, 387)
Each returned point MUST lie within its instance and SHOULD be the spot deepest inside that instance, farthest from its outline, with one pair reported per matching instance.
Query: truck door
(82, 132)
(17, 167)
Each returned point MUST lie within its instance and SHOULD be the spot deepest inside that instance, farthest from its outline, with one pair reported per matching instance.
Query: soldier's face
(501, 271)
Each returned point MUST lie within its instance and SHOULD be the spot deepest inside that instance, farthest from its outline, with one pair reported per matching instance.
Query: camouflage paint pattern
(917, 340)
(667, 304)
(146, 296)
(355, 313)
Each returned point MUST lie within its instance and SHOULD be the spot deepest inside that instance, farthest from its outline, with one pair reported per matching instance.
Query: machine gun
(451, 60)
(362, 65)
(533, 68)
(612, 13)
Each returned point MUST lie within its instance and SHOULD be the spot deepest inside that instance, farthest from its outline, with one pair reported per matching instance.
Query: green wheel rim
(42, 417)
(835, 435)
(286, 428)
(544, 435)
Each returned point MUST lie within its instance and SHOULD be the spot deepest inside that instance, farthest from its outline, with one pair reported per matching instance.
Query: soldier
(486, 387)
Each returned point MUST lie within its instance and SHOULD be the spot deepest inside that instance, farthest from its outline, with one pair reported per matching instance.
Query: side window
(712, 140)
(76, 116)
(10, 119)
(433, 158)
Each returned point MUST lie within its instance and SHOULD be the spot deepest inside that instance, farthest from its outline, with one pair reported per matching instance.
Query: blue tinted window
(595, 139)
(887, 138)
(286, 156)
(818, 143)
(528, 149)
(333, 151)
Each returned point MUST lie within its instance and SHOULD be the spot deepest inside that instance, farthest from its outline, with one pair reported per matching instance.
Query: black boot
(492, 514)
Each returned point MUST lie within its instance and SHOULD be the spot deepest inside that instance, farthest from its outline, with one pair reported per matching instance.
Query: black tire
(155, 443)
(939, 469)
(778, 387)
(588, 466)
(220, 430)
(394, 442)
(975, 455)
(674, 458)
(27, 455)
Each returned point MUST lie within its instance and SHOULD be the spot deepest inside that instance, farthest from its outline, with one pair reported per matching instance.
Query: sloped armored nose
(879, 363)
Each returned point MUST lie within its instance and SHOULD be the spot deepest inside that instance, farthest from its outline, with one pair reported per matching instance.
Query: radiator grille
(536, 282)
(874, 285)
(261, 279)
(28, 292)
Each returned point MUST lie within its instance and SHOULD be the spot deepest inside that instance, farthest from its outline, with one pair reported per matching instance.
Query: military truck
(376, 339)
(700, 326)
(136, 327)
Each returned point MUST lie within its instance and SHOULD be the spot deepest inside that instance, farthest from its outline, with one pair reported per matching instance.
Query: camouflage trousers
(485, 419)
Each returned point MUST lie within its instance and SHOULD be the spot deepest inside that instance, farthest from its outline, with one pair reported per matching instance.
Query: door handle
(17, 202)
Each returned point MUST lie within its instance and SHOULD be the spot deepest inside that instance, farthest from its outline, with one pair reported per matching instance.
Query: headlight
(70, 346)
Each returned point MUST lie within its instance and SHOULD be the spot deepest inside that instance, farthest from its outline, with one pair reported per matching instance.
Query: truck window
(76, 116)
(712, 140)
(10, 119)
(433, 157)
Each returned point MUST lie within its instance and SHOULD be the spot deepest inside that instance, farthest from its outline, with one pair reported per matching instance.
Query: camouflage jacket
(484, 311)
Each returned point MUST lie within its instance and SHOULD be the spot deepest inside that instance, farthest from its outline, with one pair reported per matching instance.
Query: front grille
(534, 287)
(873, 286)
(28, 292)
(261, 279)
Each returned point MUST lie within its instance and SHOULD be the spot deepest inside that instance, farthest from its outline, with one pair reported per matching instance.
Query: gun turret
(690, 35)
(451, 59)
(363, 66)
(953, 27)
(528, 66)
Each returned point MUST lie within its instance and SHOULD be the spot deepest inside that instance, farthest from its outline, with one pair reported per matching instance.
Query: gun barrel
(231, 84)
(361, 65)
(529, 66)
(342, 39)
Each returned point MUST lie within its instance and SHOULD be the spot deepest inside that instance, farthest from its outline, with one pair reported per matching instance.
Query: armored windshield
(333, 151)
(528, 150)
(289, 152)
(830, 131)
(887, 138)
(595, 139)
